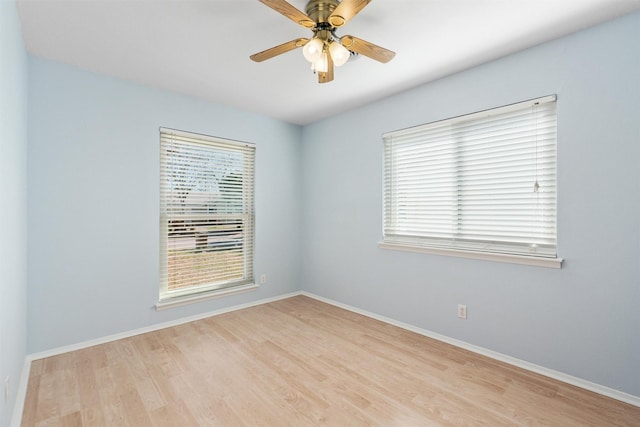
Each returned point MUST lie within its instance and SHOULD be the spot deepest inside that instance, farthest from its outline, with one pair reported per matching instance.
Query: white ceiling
(201, 47)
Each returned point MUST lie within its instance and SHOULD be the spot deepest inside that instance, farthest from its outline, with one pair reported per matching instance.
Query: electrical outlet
(263, 279)
(462, 311)
(7, 381)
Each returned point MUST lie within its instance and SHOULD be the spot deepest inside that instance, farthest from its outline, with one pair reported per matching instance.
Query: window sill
(508, 258)
(190, 299)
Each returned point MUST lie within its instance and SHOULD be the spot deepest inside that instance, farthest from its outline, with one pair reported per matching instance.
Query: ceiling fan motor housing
(320, 10)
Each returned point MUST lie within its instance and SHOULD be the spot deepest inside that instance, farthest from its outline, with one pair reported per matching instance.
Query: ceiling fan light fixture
(312, 51)
(321, 65)
(339, 53)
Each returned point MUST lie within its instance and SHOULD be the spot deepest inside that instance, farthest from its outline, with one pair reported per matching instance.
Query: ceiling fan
(324, 49)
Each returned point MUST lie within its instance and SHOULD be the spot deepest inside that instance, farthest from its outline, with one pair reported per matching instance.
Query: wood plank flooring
(299, 362)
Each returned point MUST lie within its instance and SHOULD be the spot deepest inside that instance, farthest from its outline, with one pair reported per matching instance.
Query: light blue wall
(94, 202)
(582, 320)
(13, 202)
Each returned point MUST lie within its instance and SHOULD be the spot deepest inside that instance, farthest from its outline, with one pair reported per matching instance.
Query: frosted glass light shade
(339, 54)
(321, 65)
(312, 51)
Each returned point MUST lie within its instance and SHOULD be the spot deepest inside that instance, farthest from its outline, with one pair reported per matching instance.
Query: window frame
(421, 241)
(200, 214)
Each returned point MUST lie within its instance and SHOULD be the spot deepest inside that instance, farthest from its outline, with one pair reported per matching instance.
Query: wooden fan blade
(368, 49)
(328, 76)
(278, 50)
(290, 12)
(346, 10)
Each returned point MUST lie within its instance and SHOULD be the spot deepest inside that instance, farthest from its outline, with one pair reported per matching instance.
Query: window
(481, 185)
(206, 215)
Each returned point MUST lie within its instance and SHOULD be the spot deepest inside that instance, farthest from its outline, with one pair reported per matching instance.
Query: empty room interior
(269, 212)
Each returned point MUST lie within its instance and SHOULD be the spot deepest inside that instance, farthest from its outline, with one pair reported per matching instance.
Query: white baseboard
(560, 376)
(21, 393)
(155, 327)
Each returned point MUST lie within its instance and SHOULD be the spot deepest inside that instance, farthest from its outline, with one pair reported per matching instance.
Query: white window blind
(482, 182)
(206, 213)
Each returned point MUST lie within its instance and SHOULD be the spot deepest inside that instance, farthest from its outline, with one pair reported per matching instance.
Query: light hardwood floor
(299, 362)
